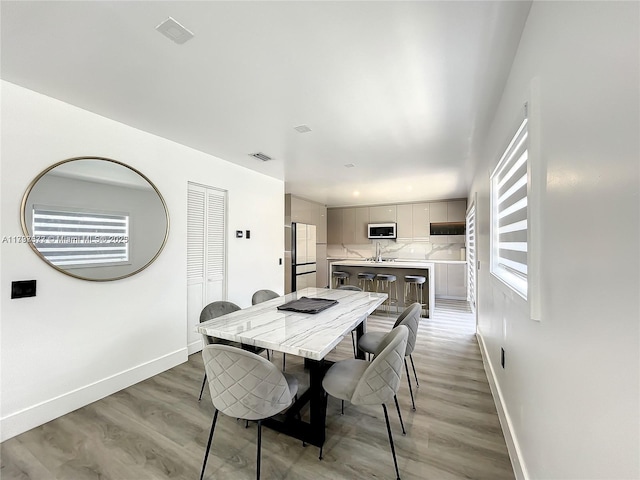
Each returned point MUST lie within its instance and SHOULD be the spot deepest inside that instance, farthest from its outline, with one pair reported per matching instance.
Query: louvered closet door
(206, 252)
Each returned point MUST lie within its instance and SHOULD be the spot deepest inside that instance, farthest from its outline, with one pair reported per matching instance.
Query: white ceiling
(402, 90)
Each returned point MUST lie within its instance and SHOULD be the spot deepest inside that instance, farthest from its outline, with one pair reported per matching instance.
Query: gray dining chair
(214, 310)
(263, 296)
(353, 339)
(370, 342)
(371, 383)
(245, 385)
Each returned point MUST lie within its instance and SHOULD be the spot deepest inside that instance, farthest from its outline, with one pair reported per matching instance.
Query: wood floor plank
(157, 429)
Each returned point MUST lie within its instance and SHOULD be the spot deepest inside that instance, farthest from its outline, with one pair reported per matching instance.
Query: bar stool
(413, 285)
(365, 281)
(386, 283)
(340, 278)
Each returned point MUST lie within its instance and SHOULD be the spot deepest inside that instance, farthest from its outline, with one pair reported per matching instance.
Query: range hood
(448, 228)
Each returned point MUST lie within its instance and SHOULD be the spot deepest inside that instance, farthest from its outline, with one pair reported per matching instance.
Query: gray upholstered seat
(355, 289)
(370, 383)
(214, 310)
(371, 342)
(245, 385)
(263, 296)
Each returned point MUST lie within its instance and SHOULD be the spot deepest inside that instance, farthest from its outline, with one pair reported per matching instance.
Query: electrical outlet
(502, 357)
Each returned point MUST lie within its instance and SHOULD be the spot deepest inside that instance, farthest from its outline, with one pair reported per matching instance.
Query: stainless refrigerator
(303, 256)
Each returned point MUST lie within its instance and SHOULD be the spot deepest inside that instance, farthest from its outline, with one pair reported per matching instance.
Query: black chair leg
(395, 397)
(406, 366)
(341, 407)
(393, 450)
(268, 355)
(206, 454)
(284, 359)
(259, 449)
(353, 342)
(414, 370)
(204, 381)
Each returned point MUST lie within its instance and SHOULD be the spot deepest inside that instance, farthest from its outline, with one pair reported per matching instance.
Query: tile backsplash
(393, 249)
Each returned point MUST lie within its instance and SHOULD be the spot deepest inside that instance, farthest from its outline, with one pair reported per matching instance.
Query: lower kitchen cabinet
(451, 280)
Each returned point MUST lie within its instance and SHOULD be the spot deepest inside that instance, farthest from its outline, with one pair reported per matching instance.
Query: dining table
(311, 336)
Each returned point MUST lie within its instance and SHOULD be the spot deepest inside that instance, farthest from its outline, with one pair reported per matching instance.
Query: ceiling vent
(261, 156)
(302, 128)
(174, 31)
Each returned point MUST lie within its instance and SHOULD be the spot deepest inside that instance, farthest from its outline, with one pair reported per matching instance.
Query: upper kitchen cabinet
(334, 226)
(456, 211)
(382, 214)
(404, 217)
(348, 226)
(421, 221)
(320, 216)
(438, 212)
(306, 211)
(362, 223)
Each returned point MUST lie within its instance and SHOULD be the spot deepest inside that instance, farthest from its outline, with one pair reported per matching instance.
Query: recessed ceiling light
(349, 165)
(356, 193)
(302, 128)
(174, 31)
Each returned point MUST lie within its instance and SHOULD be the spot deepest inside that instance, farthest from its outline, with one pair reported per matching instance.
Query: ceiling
(403, 91)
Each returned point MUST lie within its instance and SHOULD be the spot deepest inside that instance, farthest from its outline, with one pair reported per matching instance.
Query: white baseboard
(194, 347)
(505, 420)
(31, 417)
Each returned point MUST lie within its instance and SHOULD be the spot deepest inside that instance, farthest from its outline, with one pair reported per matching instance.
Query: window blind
(509, 225)
(471, 257)
(78, 238)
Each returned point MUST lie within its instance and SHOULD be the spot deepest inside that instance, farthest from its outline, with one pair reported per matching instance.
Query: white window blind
(509, 225)
(79, 238)
(471, 257)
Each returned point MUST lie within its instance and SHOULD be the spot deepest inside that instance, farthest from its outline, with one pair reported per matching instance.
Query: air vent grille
(261, 156)
(174, 31)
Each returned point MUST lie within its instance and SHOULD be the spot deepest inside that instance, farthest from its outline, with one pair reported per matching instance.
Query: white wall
(77, 341)
(569, 388)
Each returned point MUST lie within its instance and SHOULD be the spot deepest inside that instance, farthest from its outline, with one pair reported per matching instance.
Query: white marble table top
(305, 335)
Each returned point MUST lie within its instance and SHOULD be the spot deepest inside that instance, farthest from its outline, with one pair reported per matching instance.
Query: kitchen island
(399, 268)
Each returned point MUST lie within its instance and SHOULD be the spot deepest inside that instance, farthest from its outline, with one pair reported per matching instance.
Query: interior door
(206, 253)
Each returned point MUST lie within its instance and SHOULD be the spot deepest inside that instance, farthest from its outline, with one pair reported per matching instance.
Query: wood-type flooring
(158, 430)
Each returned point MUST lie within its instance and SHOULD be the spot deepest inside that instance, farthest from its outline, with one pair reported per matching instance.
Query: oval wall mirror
(95, 218)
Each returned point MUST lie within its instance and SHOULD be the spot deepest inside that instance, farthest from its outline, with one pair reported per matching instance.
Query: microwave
(381, 230)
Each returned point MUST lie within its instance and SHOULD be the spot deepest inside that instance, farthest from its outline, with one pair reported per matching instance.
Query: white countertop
(395, 262)
(385, 264)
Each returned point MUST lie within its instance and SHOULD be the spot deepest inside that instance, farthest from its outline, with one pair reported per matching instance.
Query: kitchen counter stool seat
(365, 281)
(340, 278)
(414, 290)
(386, 283)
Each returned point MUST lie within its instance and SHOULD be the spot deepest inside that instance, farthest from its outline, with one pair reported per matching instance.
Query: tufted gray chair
(370, 342)
(355, 289)
(245, 385)
(214, 310)
(371, 383)
(262, 296)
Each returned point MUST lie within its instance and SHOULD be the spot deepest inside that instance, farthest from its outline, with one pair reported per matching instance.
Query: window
(471, 257)
(509, 226)
(74, 238)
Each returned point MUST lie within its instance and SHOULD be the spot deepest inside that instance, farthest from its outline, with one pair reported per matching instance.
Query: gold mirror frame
(28, 235)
